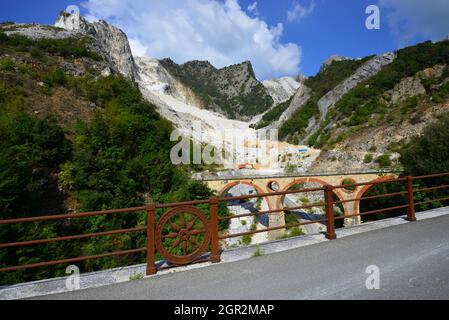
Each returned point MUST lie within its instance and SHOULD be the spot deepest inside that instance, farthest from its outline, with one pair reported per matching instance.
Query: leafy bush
(368, 158)
(31, 149)
(54, 78)
(428, 153)
(384, 160)
(6, 64)
(257, 252)
(349, 184)
(246, 240)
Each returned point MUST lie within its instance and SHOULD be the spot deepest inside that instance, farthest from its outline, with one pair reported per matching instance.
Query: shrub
(246, 240)
(304, 200)
(368, 158)
(295, 232)
(394, 147)
(428, 153)
(384, 160)
(3, 92)
(349, 184)
(257, 252)
(136, 276)
(299, 121)
(6, 64)
(36, 53)
(313, 138)
(54, 78)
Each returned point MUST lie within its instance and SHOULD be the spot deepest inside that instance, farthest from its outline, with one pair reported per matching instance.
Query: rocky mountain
(112, 42)
(330, 60)
(192, 94)
(180, 104)
(364, 72)
(283, 88)
(109, 42)
(339, 110)
(367, 126)
(296, 117)
(360, 111)
(232, 91)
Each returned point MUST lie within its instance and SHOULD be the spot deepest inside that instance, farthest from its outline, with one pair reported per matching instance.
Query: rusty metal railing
(199, 235)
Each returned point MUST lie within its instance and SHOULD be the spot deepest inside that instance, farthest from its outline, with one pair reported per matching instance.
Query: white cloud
(137, 48)
(217, 31)
(299, 11)
(253, 8)
(408, 19)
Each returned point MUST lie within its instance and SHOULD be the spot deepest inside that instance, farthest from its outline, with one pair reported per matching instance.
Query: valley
(86, 125)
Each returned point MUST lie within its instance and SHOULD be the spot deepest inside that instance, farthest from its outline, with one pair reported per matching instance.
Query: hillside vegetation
(370, 103)
(274, 114)
(326, 80)
(73, 140)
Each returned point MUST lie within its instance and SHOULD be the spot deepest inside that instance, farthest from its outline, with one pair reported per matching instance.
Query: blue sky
(229, 31)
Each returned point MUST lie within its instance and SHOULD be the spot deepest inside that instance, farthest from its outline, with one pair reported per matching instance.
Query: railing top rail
(179, 204)
(436, 175)
(342, 186)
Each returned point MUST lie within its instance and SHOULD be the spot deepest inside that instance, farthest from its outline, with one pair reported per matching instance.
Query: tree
(428, 153)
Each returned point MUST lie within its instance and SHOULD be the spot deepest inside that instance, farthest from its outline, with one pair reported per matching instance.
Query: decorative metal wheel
(182, 235)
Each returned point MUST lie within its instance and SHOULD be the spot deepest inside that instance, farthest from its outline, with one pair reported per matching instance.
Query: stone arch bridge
(264, 184)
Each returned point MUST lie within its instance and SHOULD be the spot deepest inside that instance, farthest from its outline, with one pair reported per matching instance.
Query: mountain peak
(112, 42)
(73, 22)
(201, 64)
(331, 59)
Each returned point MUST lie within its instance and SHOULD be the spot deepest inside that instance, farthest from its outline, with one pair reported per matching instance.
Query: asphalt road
(413, 261)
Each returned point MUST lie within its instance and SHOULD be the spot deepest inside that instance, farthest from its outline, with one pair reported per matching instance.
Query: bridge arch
(259, 190)
(337, 192)
(365, 188)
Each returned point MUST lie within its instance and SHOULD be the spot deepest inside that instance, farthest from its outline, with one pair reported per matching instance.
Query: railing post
(410, 199)
(215, 246)
(329, 205)
(151, 268)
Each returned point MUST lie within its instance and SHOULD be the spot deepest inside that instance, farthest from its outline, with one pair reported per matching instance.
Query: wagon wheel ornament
(185, 231)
